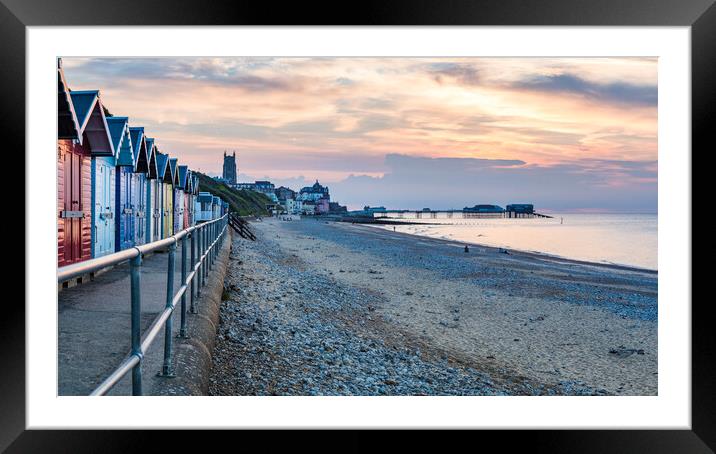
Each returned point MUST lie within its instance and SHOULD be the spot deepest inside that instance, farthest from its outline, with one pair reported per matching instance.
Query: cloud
(611, 92)
(462, 73)
(407, 129)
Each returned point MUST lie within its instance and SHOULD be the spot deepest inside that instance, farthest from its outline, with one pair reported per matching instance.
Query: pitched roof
(84, 102)
(92, 121)
(175, 173)
(183, 177)
(152, 153)
(163, 169)
(121, 140)
(68, 126)
(139, 147)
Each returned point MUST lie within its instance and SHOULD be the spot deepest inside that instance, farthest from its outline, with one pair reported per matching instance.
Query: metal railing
(205, 240)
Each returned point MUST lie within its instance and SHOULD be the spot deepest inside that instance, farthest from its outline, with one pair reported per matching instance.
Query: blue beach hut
(154, 193)
(177, 200)
(181, 216)
(141, 183)
(124, 230)
(93, 124)
(202, 206)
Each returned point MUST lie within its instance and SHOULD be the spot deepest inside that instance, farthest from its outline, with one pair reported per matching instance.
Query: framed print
(456, 216)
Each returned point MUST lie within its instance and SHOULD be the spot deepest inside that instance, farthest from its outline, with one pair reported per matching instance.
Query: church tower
(230, 169)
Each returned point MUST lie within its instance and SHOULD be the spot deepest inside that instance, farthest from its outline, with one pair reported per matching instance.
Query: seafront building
(310, 200)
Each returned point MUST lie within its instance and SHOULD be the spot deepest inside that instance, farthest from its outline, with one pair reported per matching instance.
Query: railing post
(201, 256)
(200, 271)
(182, 329)
(192, 306)
(208, 249)
(213, 248)
(205, 265)
(136, 321)
(167, 366)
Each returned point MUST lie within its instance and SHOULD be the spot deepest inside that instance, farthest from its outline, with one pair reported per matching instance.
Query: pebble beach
(329, 308)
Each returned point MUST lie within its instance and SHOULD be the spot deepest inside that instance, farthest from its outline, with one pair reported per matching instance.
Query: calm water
(626, 239)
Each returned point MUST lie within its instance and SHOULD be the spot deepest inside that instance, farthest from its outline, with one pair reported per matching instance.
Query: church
(230, 170)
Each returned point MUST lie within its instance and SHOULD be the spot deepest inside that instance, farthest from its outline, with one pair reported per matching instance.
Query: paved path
(94, 326)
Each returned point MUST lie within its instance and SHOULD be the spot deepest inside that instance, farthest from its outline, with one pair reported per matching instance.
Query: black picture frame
(700, 15)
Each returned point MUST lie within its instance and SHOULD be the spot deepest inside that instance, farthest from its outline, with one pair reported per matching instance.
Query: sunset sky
(563, 133)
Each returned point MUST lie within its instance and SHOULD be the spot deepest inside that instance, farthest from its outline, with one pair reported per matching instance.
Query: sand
(512, 316)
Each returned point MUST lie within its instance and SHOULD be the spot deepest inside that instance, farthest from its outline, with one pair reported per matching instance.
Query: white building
(308, 207)
(289, 205)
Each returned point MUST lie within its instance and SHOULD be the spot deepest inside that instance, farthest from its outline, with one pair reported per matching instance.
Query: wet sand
(499, 323)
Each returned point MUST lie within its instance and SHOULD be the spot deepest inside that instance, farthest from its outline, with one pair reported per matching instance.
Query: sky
(566, 134)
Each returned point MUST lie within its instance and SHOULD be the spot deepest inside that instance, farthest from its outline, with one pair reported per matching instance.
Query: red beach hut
(82, 131)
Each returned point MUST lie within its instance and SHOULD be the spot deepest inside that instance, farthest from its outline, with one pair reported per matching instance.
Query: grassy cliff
(245, 203)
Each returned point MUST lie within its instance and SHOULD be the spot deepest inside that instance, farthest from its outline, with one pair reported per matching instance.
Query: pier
(450, 214)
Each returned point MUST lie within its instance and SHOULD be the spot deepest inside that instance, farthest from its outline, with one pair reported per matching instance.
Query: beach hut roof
(152, 153)
(92, 121)
(163, 168)
(121, 140)
(68, 126)
(139, 146)
(183, 177)
(173, 164)
(205, 197)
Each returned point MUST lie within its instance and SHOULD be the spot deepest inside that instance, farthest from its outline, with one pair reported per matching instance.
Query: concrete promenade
(94, 326)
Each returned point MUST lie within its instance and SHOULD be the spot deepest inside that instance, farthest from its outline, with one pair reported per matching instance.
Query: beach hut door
(141, 189)
(73, 204)
(104, 233)
(157, 210)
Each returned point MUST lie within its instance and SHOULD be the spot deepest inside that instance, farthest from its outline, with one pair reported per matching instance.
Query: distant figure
(467, 249)
(393, 228)
(561, 220)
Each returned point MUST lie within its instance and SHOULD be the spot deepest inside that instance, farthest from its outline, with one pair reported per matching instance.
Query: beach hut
(178, 197)
(96, 137)
(184, 188)
(215, 207)
(170, 181)
(188, 198)
(191, 198)
(202, 207)
(141, 184)
(74, 191)
(155, 190)
(162, 171)
(124, 228)
(166, 179)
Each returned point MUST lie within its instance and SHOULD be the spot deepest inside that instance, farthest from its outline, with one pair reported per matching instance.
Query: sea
(622, 239)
